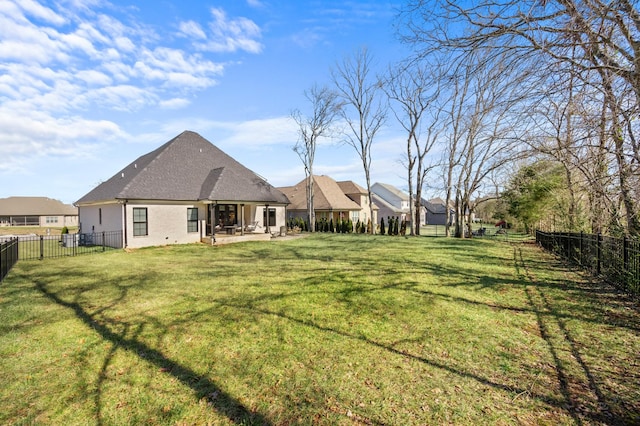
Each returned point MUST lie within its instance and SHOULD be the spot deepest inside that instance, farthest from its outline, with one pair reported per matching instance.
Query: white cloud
(94, 78)
(258, 134)
(124, 44)
(255, 4)
(251, 134)
(175, 103)
(73, 41)
(96, 62)
(192, 29)
(65, 65)
(38, 11)
(22, 41)
(230, 35)
(308, 37)
(42, 135)
(174, 69)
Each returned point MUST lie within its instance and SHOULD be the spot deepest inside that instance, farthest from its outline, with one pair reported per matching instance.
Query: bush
(65, 230)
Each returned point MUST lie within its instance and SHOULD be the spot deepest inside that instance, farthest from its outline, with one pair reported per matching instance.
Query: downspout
(124, 214)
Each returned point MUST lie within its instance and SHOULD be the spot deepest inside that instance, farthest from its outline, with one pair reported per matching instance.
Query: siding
(166, 224)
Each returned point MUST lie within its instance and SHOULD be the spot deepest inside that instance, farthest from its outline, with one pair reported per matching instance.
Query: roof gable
(327, 195)
(437, 206)
(389, 193)
(187, 168)
(349, 187)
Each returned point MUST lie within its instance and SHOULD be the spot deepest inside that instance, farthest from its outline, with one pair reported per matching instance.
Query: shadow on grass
(583, 395)
(466, 374)
(203, 387)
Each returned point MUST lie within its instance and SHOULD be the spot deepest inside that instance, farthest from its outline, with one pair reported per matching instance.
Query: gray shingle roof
(436, 206)
(187, 168)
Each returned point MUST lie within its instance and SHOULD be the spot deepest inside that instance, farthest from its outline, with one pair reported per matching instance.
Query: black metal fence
(33, 247)
(615, 259)
(8, 256)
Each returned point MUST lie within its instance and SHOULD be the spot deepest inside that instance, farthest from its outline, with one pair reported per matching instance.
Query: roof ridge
(157, 153)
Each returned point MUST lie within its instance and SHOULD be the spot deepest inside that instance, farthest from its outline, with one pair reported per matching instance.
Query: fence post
(598, 253)
(3, 246)
(580, 262)
(41, 247)
(103, 246)
(625, 257)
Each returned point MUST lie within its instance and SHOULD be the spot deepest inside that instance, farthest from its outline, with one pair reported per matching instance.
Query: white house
(182, 192)
(393, 202)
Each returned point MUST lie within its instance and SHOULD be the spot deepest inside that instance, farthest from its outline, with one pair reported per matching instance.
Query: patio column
(267, 217)
(213, 221)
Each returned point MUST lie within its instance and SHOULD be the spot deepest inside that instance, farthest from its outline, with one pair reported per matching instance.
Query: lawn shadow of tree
(583, 395)
(202, 386)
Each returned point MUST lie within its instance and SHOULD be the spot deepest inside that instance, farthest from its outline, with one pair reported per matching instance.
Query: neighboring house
(360, 196)
(437, 212)
(180, 193)
(394, 202)
(332, 200)
(37, 211)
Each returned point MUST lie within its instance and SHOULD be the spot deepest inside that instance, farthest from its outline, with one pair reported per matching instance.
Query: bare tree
(597, 41)
(414, 92)
(363, 109)
(482, 134)
(324, 109)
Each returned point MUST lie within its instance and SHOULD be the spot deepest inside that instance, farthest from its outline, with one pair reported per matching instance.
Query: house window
(99, 216)
(355, 216)
(226, 214)
(140, 227)
(271, 217)
(52, 219)
(192, 219)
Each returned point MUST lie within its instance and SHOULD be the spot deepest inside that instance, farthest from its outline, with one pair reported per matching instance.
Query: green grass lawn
(24, 230)
(327, 329)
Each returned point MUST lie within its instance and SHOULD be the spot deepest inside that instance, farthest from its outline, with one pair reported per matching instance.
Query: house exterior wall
(166, 224)
(365, 213)
(436, 218)
(71, 221)
(99, 218)
(385, 212)
(58, 221)
(423, 216)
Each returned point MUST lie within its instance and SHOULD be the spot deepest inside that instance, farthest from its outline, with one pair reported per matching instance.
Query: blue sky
(87, 86)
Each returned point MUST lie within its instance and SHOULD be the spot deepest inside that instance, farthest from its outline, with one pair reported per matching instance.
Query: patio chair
(252, 226)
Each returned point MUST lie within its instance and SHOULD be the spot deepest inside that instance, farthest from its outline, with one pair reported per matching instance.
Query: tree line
(527, 105)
